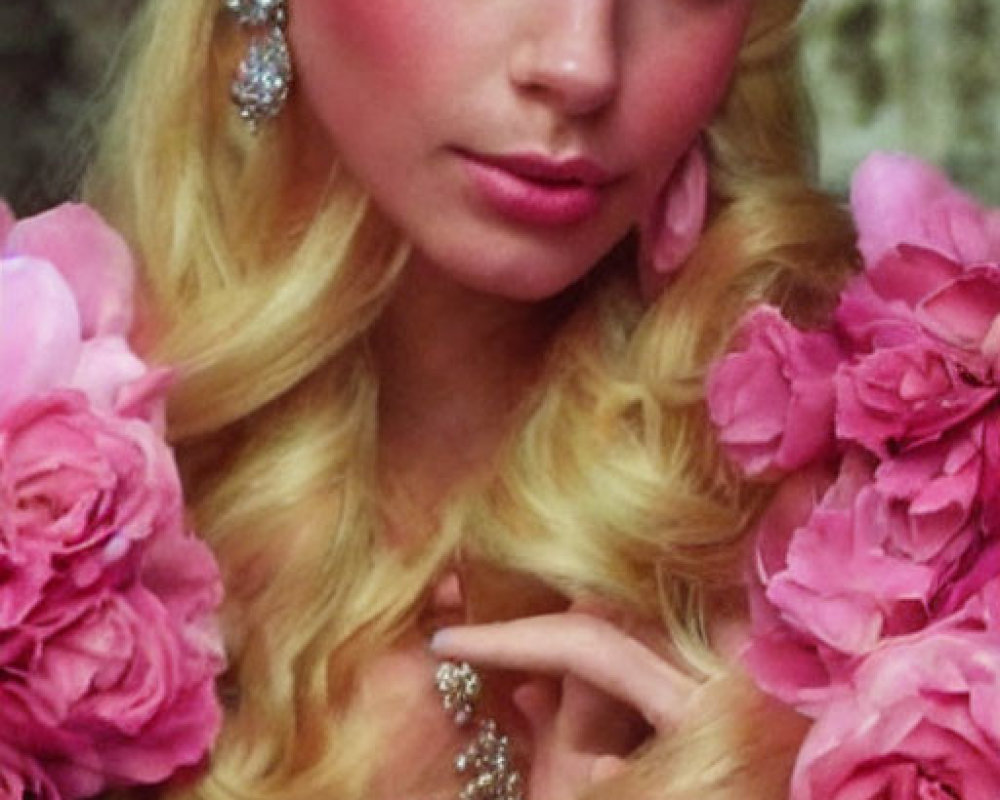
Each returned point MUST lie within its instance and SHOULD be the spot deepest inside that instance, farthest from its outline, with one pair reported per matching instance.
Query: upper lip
(546, 168)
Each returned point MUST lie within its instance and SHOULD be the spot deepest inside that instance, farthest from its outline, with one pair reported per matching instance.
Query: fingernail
(606, 767)
(439, 641)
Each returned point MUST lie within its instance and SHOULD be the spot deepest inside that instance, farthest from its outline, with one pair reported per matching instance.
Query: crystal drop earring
(264, 77)
(487, 763)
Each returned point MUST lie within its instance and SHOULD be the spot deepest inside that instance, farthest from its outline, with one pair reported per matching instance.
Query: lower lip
(524, 200)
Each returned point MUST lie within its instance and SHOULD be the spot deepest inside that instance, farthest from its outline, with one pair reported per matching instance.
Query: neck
(454, 364)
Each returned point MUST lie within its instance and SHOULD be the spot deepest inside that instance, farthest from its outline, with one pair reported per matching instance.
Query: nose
(568, 54)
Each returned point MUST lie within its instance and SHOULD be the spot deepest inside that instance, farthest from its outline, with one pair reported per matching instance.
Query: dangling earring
(261, 85)
(675, 222)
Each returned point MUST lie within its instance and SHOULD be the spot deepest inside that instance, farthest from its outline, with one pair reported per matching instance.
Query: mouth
(577, 170)
(536, 189)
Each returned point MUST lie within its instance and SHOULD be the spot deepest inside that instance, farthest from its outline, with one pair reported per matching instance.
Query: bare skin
(447, 397)
(405, 91)
(455, 364)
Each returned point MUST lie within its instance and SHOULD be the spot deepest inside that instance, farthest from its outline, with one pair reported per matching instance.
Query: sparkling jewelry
(460, 687)
(257, 12)
(264, 76)
(486, 763)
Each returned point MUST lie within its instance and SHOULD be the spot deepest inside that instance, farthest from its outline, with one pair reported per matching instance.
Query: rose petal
(908, 725)
(897, 198)
(772, 399)
(39, 330)
(6, 222)
(106, 366)
(963, 311)
(22, 776)
(92, 258)
(909, 273)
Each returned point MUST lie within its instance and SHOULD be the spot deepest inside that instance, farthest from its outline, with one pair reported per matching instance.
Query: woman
(441, 325)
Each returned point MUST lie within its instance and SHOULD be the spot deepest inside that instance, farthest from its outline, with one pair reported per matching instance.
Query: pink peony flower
(898, 199)
(921, 721)
(772, 399)
(77, 490)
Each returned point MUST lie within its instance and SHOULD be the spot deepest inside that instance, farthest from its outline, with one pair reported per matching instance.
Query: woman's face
(515, 142)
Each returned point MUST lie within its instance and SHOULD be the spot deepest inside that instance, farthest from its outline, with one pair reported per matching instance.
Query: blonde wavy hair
(608, 487)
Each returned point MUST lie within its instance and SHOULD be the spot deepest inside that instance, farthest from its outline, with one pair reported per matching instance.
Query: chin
(520, 274)
(520, 283)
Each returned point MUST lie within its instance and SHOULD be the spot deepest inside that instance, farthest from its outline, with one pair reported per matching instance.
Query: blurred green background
(916, 75)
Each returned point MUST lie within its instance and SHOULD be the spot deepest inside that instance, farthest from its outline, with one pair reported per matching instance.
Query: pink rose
(108, 645)
(972, 601)
(897, 198)
(955, 303)
(875, 594)
(772, 399)
(39, 330)
(91, 257)
(65, 308)
(109, 648)
(22, 776)
(920, 722)
(933, 491)
(925, 349)
(965, 311)
(77, 490)
(884, 551)
(841, 568)
(851, 607)
(117, 382)
(893, 399)
(784, 661)
(989, 493)
(914, 287)
(118, 689)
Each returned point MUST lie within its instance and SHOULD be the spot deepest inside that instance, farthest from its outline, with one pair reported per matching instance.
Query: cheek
(378, 41)
(380, 28)
(688, 78)
(348, 52)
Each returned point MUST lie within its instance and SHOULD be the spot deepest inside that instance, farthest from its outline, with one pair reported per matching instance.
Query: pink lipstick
(538, 190)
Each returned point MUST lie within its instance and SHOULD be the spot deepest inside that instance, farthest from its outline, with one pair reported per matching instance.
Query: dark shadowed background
(918, 75)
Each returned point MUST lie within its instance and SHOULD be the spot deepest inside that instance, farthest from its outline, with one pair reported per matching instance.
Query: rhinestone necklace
(486, 762)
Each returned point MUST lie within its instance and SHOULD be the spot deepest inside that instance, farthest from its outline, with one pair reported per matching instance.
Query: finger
(649, 632)
(556, 773)
(577, 644)
(538, 702)
(592, 721)
(580, 717)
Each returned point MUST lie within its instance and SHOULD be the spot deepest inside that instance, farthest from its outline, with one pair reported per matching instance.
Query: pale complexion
(413, 95)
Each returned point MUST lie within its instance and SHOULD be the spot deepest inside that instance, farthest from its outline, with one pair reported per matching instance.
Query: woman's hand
(595, 693)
